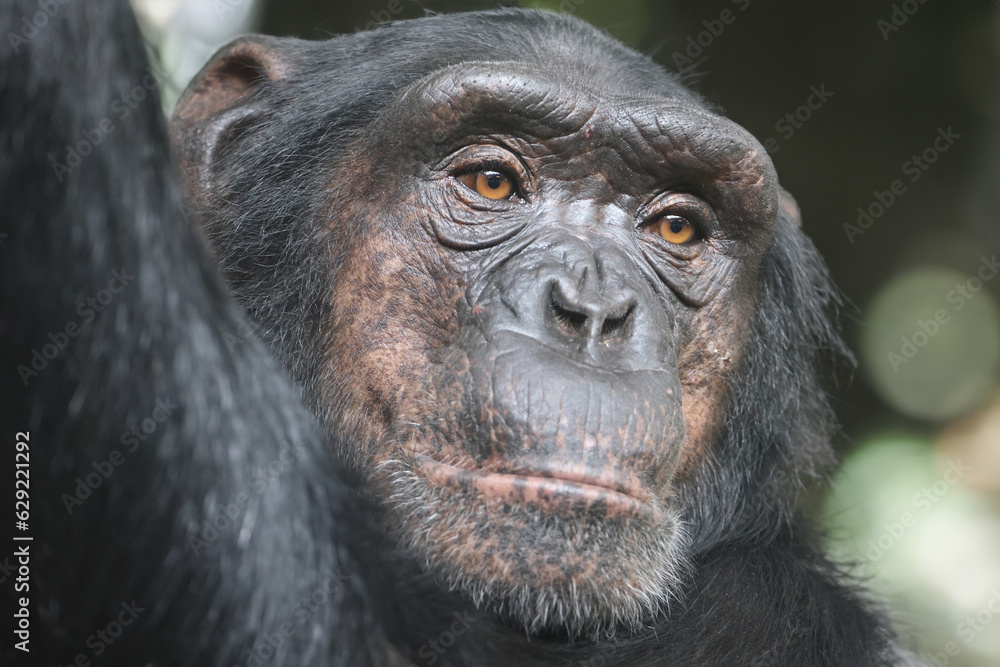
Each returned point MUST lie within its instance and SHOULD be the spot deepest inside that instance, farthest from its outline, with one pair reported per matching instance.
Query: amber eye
(490, 184)
(675, 229)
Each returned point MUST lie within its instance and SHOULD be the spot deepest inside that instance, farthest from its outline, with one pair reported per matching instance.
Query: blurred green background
(884, 121)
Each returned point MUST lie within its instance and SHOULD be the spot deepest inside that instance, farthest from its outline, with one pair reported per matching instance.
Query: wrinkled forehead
(653, 137)
(550, 101)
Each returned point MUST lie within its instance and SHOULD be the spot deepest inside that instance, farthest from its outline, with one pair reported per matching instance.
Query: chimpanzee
(473, 340)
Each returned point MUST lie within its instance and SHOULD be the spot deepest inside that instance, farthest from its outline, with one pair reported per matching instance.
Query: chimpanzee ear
(788, 208)
(223, 100)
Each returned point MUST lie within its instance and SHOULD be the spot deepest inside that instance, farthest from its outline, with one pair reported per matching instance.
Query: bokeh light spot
(932, 344)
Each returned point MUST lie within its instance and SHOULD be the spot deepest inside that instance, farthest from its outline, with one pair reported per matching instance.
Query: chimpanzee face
(549, 287)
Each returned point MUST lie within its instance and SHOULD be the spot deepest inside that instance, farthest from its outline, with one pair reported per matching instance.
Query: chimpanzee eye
(489, 183)
(675, 229)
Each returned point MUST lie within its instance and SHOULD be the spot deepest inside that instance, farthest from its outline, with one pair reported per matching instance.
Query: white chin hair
(649, 561)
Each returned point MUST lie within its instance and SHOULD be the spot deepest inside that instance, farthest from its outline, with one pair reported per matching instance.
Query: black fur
(760, 593)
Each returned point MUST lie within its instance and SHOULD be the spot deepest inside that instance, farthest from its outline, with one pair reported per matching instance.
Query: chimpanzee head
(555, 307)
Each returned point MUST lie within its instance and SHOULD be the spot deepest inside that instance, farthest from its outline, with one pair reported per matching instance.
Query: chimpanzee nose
(587, 296)
(589, 314)
(581, 294)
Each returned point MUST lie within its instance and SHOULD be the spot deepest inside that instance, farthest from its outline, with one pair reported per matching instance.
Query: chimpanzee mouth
(558, 491)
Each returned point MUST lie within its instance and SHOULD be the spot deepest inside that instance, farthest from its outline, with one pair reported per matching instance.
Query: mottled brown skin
(428, 383)
(525, 382)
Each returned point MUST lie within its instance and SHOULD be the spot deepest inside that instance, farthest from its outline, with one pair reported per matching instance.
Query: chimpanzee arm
(177, 486)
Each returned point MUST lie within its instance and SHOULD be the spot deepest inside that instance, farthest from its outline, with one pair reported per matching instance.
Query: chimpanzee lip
(549, 489)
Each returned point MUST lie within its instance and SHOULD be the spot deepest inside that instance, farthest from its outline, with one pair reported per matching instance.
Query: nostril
(570, 321)
(594, 317)
(615, 326)
(569, 318)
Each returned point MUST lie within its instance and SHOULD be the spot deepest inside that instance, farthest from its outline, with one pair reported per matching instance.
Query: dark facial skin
(535, 374)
